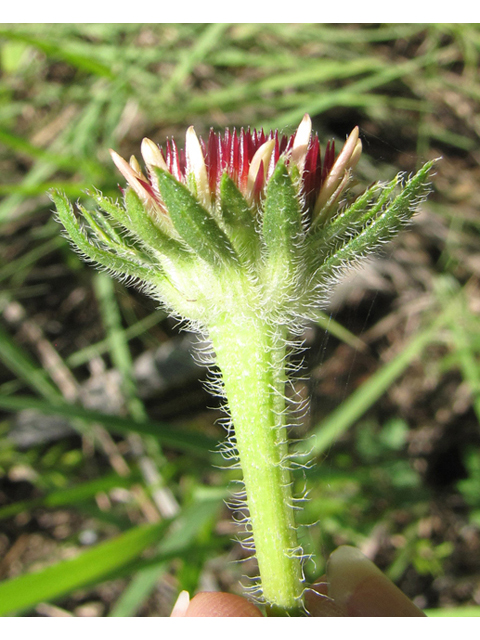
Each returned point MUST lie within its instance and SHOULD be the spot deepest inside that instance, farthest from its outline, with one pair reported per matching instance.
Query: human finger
(214, 605)
(360, 589)
(319, 604)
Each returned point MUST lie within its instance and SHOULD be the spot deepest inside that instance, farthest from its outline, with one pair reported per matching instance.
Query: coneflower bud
(243, 236)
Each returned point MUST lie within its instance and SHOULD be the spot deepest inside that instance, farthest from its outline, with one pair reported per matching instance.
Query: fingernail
(359, 587)
(181, 605)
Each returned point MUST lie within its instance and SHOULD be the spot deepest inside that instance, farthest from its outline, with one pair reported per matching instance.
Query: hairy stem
(251, 356)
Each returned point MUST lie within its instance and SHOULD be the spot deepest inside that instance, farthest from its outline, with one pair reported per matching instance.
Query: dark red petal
(243, 161)
(212, 161)
(233, 161)
(328, 160)
(312, 174)
(148, 187)
(286, 144)
(251, 138)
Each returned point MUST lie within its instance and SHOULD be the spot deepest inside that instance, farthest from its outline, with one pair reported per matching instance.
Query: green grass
(396, 378)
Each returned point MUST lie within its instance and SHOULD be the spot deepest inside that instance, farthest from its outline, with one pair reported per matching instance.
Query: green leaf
(283, 237)
(139, 223)
(194, 224)
(239, 220)
(145, 228)
(102, 228)
(386, 223)
(24, 592)
(111, 260)
(324, 240)
(282, 222)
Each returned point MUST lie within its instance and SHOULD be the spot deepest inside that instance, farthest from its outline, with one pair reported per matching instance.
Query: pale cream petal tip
(152, 154)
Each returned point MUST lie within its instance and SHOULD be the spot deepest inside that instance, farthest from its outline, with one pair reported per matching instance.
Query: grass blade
(179, 439)
(24, 592)
(18, 361)
(88, 64)
(68, 497)
(185, 531)
(454, 612)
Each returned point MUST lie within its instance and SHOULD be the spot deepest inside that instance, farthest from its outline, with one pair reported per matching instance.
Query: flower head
(241, 216)
(249, 158)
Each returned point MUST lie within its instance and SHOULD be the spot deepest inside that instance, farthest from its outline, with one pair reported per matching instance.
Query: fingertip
(221, 605)
(359, 588)
(319, 604)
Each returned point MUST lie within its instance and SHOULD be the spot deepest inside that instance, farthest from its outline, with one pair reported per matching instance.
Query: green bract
(244, 240)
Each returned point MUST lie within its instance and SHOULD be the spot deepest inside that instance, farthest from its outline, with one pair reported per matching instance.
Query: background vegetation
(111, 495)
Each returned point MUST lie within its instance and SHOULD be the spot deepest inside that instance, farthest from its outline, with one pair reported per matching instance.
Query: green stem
(251, 357)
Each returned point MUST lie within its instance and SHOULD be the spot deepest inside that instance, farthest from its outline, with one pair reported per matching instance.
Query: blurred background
(111, 486)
